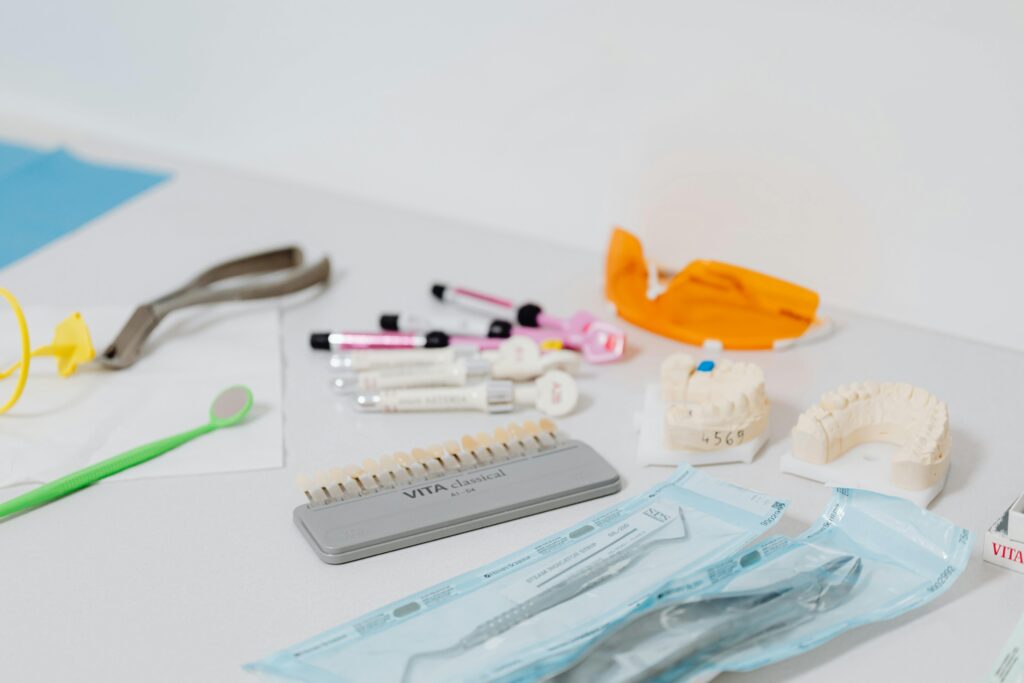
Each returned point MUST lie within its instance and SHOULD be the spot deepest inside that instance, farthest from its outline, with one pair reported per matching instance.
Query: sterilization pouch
(869, 558)
(497, 619)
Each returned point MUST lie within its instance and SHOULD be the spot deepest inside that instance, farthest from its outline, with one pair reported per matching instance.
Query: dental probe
(744, 616)
(563, 591)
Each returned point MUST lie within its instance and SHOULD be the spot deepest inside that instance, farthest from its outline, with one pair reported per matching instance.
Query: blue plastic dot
(706, 366)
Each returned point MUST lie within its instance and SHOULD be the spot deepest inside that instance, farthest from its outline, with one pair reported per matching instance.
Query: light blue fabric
(47, 194)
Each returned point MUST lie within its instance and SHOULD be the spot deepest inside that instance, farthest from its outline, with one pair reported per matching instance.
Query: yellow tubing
(26, 352)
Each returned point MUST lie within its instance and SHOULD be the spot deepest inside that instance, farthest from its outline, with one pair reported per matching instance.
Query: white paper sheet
(61, 424)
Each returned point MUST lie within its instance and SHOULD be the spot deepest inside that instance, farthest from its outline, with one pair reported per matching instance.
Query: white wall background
(871, 150)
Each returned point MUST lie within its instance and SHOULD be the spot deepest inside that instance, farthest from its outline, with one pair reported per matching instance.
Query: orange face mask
(708, 303)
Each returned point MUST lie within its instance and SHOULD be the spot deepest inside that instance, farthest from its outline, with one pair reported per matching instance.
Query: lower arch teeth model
(712, 406)
(901, 414)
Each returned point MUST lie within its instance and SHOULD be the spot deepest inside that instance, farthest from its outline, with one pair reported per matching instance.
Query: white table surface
(187, 578)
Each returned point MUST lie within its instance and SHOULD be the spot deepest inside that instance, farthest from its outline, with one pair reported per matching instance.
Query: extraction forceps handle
(127, 346)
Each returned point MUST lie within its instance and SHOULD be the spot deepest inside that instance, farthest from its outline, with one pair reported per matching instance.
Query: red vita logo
(1008, 553)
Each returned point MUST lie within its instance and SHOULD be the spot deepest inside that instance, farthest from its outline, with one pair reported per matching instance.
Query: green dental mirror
(228, 409)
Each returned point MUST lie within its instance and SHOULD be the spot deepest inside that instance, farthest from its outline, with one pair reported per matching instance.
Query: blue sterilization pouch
(496, 620)
(869, 558)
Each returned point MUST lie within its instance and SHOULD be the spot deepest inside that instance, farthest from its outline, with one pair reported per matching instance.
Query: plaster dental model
(704, 413)
(866, 413)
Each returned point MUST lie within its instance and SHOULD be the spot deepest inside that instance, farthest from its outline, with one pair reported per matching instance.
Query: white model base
(651, 448)
(863, 467)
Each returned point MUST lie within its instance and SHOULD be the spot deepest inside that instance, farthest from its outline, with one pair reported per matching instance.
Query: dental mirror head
(231, 406)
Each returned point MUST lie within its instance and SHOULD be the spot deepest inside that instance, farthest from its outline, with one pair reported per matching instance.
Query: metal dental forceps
(287, 262)
(735, 621)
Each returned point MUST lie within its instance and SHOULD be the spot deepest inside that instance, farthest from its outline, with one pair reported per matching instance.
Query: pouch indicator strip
(402, 500)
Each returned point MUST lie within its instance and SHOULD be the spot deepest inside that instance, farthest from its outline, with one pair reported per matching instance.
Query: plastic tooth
(366, 478)
(543, 438)
(380, 473)
(807, 424)
(921, 398)
(903, 391)
(511, 444)
(463, 458)
(447, 460)
(393, 471)
(342, 484)
(323, 485)
(743, 403)
(306, 486)
(817, 412)
(677, 415)
(416, 470)
(833, 401)
(470, 445)
(728, 408)
(530, 445)
(872, 387)
(527, 442)
(677, 368)
(499, 453)
(421, 456)
(354, 472)
(549, 427)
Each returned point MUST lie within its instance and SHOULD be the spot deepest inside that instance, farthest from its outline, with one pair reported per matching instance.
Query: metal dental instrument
(576, 584)
(736, 620)
(286, 262)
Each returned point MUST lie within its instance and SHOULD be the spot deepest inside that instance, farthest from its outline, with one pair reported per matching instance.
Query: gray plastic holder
(430, 509)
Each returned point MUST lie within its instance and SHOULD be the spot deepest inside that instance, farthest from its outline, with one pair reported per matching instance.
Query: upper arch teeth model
(861, 412)
(712, 406)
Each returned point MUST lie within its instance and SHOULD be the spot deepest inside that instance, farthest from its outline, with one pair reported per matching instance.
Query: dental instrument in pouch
(428, 493)
(736, 620)
(561, 592)
(600, 342)
(553, 393)
(228, 409)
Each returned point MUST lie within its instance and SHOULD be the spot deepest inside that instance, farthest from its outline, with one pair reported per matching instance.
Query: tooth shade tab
(496, 450)
(897, 413)
(406, 469)
(527, 442)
